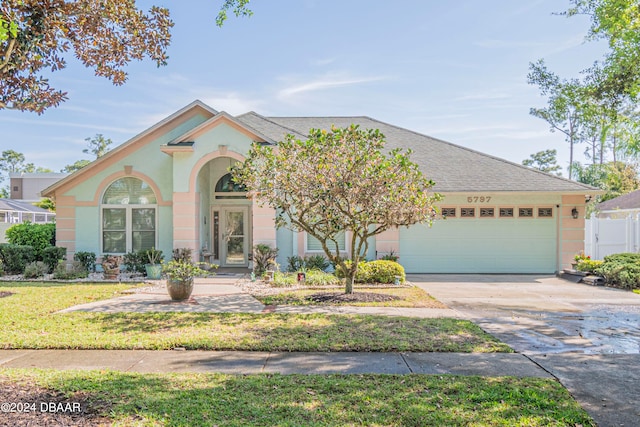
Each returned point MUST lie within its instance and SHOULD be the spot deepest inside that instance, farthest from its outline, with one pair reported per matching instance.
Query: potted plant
(111, 266)
(154, 267)
(180, 275)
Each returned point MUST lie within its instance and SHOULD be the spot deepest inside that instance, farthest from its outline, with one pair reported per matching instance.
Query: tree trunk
(348, 282)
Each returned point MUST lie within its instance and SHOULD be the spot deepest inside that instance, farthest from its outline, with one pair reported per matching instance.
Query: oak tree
(338, 181)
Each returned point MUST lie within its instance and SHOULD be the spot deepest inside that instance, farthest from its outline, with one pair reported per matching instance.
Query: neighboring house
(17, 211)
(169, 187)
(620, 207)
(25, 189)
(27, 186)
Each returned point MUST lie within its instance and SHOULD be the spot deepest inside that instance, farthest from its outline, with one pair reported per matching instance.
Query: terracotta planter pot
(180, 290)
(111, 274)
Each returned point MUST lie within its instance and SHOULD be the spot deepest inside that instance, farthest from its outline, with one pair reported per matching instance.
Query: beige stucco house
(169, 187)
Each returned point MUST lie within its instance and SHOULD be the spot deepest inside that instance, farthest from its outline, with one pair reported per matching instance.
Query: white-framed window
(313, 245)
(129, 217)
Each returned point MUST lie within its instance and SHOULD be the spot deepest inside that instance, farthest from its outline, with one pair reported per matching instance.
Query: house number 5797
(478, 199)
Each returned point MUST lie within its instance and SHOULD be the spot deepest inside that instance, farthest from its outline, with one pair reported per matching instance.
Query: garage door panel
(480, 246)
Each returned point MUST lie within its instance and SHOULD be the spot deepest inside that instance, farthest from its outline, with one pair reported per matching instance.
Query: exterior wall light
(574, 213)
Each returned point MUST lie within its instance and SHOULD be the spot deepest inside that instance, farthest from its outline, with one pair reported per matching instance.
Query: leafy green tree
(615, 178)
(37, 36)
(337, 181)
(545, 161)
(12, 161)
(565, 105)
(98, 145)
(79, 164)
(617, 22)
(46, 203)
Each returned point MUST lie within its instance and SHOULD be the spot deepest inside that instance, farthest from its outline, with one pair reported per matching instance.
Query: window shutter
(313, 244)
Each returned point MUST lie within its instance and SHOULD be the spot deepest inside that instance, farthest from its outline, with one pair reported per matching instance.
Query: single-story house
(169, 187)
(620, 207)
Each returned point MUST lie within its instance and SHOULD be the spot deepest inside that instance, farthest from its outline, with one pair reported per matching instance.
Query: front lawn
(130, 399)
(28, 313)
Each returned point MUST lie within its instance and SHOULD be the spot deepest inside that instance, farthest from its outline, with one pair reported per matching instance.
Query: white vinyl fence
(605, 236)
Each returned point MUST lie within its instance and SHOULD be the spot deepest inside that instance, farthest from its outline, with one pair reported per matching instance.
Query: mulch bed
(337, 297)
(28, 405)
(5, 294)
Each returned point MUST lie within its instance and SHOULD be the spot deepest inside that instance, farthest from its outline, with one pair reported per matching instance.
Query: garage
(487, 239)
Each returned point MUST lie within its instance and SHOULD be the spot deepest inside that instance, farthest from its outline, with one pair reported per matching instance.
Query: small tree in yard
(335, 181)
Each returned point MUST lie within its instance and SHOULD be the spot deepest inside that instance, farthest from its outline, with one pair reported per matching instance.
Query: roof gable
(163, 127)
(221, 117)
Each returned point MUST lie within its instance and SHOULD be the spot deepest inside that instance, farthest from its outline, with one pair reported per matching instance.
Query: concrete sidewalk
(248, 362)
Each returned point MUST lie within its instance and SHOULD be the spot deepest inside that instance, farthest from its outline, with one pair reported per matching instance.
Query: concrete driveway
(587, 337)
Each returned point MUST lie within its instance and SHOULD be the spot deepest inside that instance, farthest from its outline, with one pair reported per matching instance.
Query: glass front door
(234, 234)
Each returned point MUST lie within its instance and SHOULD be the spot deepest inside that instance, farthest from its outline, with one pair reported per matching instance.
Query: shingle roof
(452, 167)
(20, 206)
(626, 201)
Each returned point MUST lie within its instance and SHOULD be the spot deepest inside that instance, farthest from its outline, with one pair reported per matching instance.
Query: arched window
(227, 189)
(129, 220)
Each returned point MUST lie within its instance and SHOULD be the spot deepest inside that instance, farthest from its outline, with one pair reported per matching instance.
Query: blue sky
(452, 70)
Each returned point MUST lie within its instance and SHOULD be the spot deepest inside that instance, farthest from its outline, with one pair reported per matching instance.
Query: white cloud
(549, 47)
(39, 122)
(483, 96)
(324, 83)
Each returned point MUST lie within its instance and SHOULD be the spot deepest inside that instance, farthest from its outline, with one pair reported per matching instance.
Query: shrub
(310, 262)
(621, 270)
(384, 271)
(380, 271)
(51, 256)
(16, 257)
(35, 269)
(295, 263)
(39, 236)
(320, 278)
(1, 268)
(75, 270)
(588, 265)
(316, 262)
(135, 261)
(391, 256)
(264, 258)
(87, 259)
(183, 254)
(283, 279)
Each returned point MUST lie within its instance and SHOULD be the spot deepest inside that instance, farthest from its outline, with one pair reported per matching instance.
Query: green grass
(410, 296)
(30, 320)
(637, 291)
(311, 400)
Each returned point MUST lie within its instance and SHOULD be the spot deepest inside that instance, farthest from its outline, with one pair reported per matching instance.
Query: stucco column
(66, 224)
(571, 229)
(388, 241)
(186, 227)
(264, 225)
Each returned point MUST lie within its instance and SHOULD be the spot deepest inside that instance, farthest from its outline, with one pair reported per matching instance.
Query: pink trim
(193, 178)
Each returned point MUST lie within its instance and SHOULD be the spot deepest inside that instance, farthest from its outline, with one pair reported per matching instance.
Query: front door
(234, 236)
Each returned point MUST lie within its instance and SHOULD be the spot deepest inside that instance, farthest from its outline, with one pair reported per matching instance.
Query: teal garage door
(480, 245)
